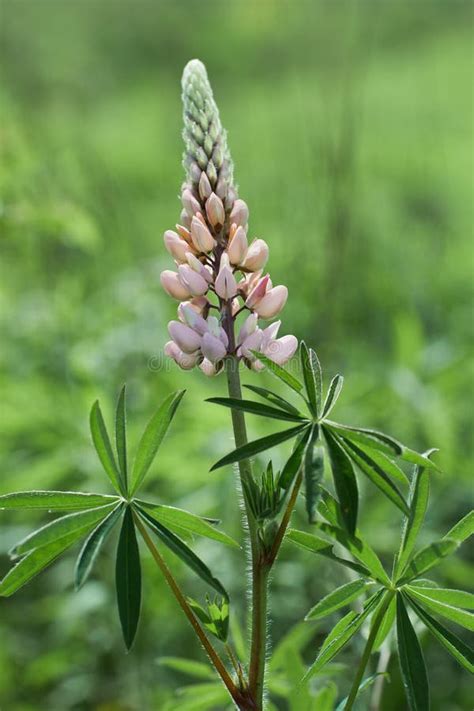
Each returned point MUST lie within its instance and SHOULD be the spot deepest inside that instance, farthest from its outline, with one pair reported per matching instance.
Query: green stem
(377, 621)
(260, 569)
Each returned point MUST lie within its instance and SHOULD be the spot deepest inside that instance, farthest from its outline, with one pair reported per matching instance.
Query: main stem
(368, 650)
(260, 568)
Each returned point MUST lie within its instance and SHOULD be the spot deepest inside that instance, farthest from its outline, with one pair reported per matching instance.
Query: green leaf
(371, 438)
(338, 598)
(274, 399)
(332, 396)
(344, 482)
(418, 502)
(358, 548)
(121, 437)
(183, 552)
(462, 529)
(386, 464)
(454, 645)
(293, 463)
(103, 448)
(428, 557)
(312, 377)
(128, 579)
(186, 521)
(60, 528)
(153, 437)
(257, 446)
(34, 562)
(320, 546)
(460, 617)
(54, 500)
(313, 463)
(256, 408)
(280, 372)
(376, 474)
(387, 623)
(340, 635)
(92, 546)
(412, 664)
(197, 670)
(457, 598)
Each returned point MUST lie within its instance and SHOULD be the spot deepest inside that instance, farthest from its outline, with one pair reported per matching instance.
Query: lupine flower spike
(217, 270)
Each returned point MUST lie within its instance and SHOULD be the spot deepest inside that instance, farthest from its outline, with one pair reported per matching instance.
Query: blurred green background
(350, 124)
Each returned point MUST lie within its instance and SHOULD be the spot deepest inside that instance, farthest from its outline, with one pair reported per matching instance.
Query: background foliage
(351, 127)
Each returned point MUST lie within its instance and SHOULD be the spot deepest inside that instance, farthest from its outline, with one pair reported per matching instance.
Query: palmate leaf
(60, 528)
(257, 446)
(457, 598)
(312, 376)
(341, 634)
(363, 686)
(412, 663)
(179, 548)
(256, 408)
(463, 529)
(273, 398)
(320, 546)
(293, 463)
(121, 437)
(280, 373)
(55, 500)
(35, 561)
(344, 482)
(103, 448)
(338, 598)
(455, 614)
(190, 667)
(153, 437)
(333, 393)
(186, 521)
(375, 473)
(313, 469)
(128, 579)
(386, 624)
(427, 558)
(92, 546)
(418, 503)
(451, 642)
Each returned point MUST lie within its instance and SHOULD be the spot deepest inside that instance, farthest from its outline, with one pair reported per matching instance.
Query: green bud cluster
(205, 139)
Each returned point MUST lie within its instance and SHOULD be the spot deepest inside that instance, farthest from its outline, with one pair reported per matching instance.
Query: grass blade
(412, 663)
(128, 579)
(153, 437)
(257, 446)
(54, 500)
(92, 546)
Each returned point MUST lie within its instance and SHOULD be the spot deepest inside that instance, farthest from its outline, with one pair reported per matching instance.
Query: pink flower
(239, 214)
(272, 303)
(209, 369)
(225, 284)
(215, 210)
(176, 246)
(192, 318)
(258, 291)
(257, 255)
(238, 245)
(185, 337)
(172, 284)
(184, 360)
(212, 348)
(190, 204)
(202, 238)
(194, 282)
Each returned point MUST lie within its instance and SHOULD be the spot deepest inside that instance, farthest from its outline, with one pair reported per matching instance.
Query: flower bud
(202, 238)
(282, 349)
(257, 256)
(248, 327)
(205, 188)
(225, 284)
(215, 211)
(212, 348)
(209, 369)
(215, 329)
(258, 292)
(193, 319)
(238, 246)
(176, 246)
(187, 339)
(190, 204)
(185, 219)
(172, 284)
(272, 303)
(184, 233)
(198, 267)
(184, 360)
(194, 282)
(221, 188)
(239, 213)
(253, 342)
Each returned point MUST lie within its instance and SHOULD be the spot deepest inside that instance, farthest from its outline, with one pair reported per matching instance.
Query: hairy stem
(211, 652)
(377, 621)
(260, 569)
